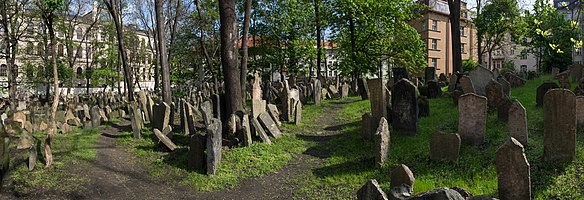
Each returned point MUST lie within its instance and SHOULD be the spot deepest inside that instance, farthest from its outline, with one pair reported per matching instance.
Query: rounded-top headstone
(402, 175)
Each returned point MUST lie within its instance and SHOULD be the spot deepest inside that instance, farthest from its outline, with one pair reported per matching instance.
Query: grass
(351, 162)
(69, 150)
(237, 164)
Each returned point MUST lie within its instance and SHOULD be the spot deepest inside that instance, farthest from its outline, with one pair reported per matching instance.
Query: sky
(523, 4)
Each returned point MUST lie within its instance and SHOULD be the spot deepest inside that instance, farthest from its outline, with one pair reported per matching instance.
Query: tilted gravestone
(165, 140)
(494, 94)
(513, 171)
(160, 115)
(480, 77)
(274, 113)
(542, 89)
(402, 175)
(472, 117)
(269, 125)
(382, 143)
(466, 85)
(95, 117)
(377, 98)
(559, 125)
(260, 130)
(363, 89)
(371, 191)
(444, 146)
(214, 140)
(207, 111)
(518, 123)
(405, 108)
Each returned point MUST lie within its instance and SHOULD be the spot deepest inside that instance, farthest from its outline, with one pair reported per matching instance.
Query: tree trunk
(161, 33)
(231, 73)
(244, 50)
(479, 36)
(454, 6)
(53, 125)
(318, 39)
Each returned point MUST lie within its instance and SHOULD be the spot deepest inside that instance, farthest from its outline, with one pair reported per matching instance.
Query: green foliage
(469, 65)
(508, 66)
(497, 23)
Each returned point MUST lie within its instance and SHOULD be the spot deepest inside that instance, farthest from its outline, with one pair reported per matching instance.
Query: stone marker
(258, 107)
(197, 156)
(269, 125)
(442, 193)
(494, 94)
(245, 130)
(317, 95)
(382, 143)
(404, 108)
(559, 125)
(518, 123)
(402, 175)
(555, 71)
(400, 73)
(423, 107)
(207, 111)
(160, 115)
(167, 131)
(444, 147)
(576, 72)
(512, 171)
(377, 98)
(506, 86)
(260, 130)
(95, 117)
(564, 79)
(214, 140)
(466, 84)
(274, 113)
(366, 126)
(580, 111)
(371, 191)
(472, 117)
(256, 91)
(503, 109)
(344, 90)
(298, 113)
(430, 74)
(167, 142)
(480, 77)
(363, 89)
(542, 89)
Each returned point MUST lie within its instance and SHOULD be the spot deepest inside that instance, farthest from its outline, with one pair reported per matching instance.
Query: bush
(469, 65)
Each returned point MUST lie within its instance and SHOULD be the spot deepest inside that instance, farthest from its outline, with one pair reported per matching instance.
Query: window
(79, 72)
(435, 25)
(462, 31)
(462, 48)
(434, 44)
(79, 33)
(434, 62)
(3, 70)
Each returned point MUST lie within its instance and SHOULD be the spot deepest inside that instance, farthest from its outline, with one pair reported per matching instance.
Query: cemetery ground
(323, 158)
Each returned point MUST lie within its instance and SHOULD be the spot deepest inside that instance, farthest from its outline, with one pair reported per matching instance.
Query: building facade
(434, 28)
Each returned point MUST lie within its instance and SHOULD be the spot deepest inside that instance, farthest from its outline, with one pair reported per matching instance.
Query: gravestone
(514, 80)
(542, 89)
(405, 108)
(197, 157)
(382, 143)
(559, 125)
(257, 107)
(377, 98)
(298, 113)
(286, 102)
(466, 85)
(366, 126)
(214, 131)
(260, 130)
(143, 100)
(513, 171)
(503, 109)
(274, 113)
(423, 107)
(518, 123)
(363, 89)
(576, 72)
(434, 90)
(269, 125)
(580, 111)
(443, 193)
(402, 175)
(135, 119)
(444, 146)
(95, 117)
(505, 85)
(160, 115)
(317, 95)
(165, 140)
(399, 73)
(494, 94)
(472, 117)
(430, 74)
(344, 90)
(371, 191)
(453, 83)
(480, 77)
(564, 80)
(207, 111)
(455, 96)
(245, 131)
(256, 91)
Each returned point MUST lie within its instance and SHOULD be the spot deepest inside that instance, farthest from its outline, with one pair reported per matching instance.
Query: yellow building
(434, 28)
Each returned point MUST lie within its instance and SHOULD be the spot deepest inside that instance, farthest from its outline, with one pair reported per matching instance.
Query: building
(87, 49)
(522, 60)
(434, 28)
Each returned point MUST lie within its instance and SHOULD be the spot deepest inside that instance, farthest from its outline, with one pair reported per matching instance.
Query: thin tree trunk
(244, 50)
(228, 30)
(479, 36)
(454, 6)
(160, 29)
(318, 39)
(53, 126)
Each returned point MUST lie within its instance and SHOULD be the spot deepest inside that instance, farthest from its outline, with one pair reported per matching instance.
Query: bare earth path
(117, 174)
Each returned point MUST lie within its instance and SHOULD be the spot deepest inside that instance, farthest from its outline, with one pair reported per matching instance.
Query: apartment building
(434, 28)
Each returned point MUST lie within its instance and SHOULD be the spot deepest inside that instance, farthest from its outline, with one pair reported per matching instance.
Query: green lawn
(351, 161)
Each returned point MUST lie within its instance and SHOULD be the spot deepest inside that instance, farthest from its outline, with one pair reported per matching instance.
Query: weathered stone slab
(95, 117)
(518, 122)
(298, 113)
(404, 108)
(513, 171)
(430, 74)
(197, 157)
(423, 107)
(402, 175)
(466, 85)
(382, 143)
(377, 98)
(559, 124)
(442, 193)
(371, 191)
(160, 115)
(472, 117)
(245, 130)
(444, 147)
(494, 94)
(260, 131)
(576, 72)
(207, 111)
(274, 113)
(214, 140)
(317, 94)
(564, 79)
(165, 140)
(258, 107)
(344, 90)
(269, 125)
(580, 110)
(480, 77)
(400, 73)
(363, 89)
(503, 109)
(542, 89)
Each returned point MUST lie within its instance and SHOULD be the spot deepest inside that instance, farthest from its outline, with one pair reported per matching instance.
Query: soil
(116, 174)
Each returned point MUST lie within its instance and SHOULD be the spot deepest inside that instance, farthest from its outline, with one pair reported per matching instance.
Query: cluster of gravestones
(475, 93)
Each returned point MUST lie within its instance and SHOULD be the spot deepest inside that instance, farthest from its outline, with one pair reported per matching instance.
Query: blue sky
(523, 4)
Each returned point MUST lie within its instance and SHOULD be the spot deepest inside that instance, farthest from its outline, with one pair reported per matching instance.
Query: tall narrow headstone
(214, 140)
(405, 108)
(366, 126)
(472, 117)
(382, 143)
(518, 123)
(160, 115)
(494, 94)
(559, 125)
(542, 89)
(363, 89)
(317, 95)
(430, 74)
(377, 98)
(197, 146)
(513, 171)
(466, 84)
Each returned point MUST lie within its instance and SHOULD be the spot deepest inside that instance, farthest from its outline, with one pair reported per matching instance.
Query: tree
(497, 24)
(48, 9)
(163, 56)
(228, 30)
(454, 7)
(244, 48)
